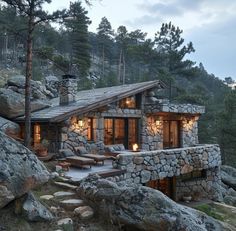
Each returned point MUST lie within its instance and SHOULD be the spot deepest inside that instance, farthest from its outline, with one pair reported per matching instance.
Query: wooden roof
(89, 100)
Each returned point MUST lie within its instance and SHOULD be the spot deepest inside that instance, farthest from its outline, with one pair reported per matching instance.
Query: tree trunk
(119, 67)
(27, 138)
(123, 80)
(103, 62)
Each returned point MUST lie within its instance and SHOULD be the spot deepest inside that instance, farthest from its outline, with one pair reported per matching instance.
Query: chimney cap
(68, 76)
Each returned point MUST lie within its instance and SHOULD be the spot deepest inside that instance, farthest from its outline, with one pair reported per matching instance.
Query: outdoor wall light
(158, 122)
(80, 123)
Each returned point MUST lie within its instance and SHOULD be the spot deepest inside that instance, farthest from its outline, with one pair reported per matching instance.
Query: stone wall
(207, 187)
(189, 132)
(74, 136)
(166, 106)
(152, 134)
(153, 165)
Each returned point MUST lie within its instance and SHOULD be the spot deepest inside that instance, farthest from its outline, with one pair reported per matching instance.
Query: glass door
(171, 131)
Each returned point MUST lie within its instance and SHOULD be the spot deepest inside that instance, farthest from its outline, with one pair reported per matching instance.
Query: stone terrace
(144, 166)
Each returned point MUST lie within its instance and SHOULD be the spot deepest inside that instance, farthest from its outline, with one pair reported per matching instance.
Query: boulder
(52, 84)
(9, 127)
(143, 208)
(17, 81)
(39, 90)
(228, 176)
(230, 197)
(12, 104)
(84, 212)
(33, 210)
(20, 170)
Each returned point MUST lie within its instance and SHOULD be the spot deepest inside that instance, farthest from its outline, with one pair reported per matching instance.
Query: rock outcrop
(52, 84)
(143, 208)
(13, 103)
(20, 170)
(228, 176)
(9, 127)
(12, 96)
(228, 185)
(33, 210)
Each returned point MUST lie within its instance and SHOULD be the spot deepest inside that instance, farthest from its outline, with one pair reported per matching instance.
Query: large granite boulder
(39, 90)
(9, 127)
(12, 104)
(143, 208)
(52, 84)
(228, 176)
(33, 210)
(20, 170)
(17, 81)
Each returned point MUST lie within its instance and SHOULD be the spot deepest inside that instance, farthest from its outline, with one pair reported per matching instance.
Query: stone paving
(80, 173)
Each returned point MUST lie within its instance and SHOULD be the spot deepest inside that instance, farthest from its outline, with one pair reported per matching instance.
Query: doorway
(166, 186)
(121, 131)
(171, 134)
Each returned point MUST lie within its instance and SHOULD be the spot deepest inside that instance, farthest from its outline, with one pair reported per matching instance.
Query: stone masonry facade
(151, 133)
(143, 167)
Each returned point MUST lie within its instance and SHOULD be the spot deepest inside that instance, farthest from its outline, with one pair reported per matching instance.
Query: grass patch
(210, 211)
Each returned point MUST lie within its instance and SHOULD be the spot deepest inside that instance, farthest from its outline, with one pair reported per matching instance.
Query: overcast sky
(209, 24)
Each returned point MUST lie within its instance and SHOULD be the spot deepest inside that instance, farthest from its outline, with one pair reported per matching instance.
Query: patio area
(80, 173)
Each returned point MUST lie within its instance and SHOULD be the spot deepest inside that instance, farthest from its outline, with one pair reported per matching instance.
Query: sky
(208, 24)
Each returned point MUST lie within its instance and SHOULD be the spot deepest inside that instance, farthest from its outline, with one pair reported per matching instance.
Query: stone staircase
(69, 206)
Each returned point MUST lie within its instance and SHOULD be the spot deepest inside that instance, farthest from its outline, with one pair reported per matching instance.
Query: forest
(114, 56)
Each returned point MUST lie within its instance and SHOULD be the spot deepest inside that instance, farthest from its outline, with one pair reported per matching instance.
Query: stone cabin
(169, 159)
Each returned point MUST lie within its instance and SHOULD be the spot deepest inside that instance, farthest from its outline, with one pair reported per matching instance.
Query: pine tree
(122, 39)
(105, 36)
(34, 14)
(77, 27)
(169, 44)
(227, 129)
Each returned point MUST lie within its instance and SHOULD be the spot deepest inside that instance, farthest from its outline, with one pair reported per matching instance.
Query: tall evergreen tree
(105, 35)
(34, 14)
(170, 45)
(122, 39)
(77, 26)
(227, 129)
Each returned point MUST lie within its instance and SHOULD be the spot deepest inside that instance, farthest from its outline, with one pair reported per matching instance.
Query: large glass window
(121, 131)
(91, 129)
(37, 135)
(171, 133)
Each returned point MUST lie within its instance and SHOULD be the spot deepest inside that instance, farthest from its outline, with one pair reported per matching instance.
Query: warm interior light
(158, 122)
(135, 147)
(127, 101)
(80, 123)
(37, 134)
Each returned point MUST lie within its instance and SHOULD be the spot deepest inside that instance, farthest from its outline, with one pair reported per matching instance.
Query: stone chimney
(68, 89)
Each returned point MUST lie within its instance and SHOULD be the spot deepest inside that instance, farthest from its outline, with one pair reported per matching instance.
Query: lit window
(37, 135)
(91, 129)
(128, 102)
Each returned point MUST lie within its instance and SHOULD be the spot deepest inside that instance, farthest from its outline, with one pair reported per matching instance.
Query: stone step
(84, 212)
(46, 197)
(63, 194)
(65, 185)
(71, 204)
(65, 221)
